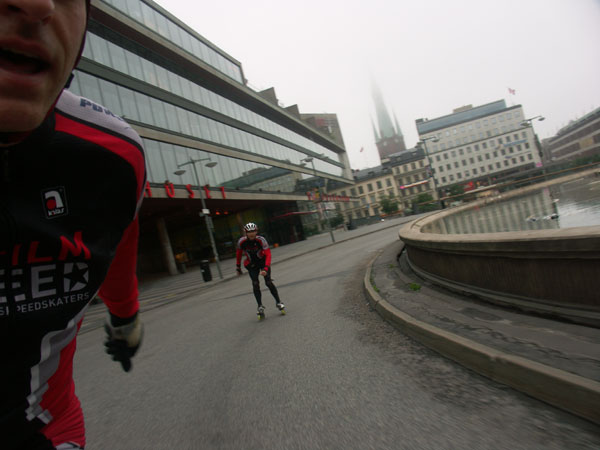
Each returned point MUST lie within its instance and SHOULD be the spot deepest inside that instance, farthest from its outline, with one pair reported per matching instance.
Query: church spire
(388, 137)
(374, 131)
(398, 131)
(386, 129)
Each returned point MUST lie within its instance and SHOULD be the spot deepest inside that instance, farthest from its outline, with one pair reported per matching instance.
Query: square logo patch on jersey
(55, 202)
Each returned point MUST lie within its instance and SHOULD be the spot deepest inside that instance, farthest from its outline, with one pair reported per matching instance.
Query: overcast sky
(427, 56)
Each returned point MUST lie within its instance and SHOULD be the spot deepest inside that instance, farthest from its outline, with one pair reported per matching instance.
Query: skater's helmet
(251, 226)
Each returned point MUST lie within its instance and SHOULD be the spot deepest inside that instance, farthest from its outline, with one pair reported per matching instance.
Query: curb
(564, 390)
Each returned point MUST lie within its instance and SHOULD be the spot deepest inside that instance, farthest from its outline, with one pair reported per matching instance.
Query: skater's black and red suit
(68, 230)
(256, 251)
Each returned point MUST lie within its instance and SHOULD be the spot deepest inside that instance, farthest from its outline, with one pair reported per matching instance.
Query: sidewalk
(553, 361)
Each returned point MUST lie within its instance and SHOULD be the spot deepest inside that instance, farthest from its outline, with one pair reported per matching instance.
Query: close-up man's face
(39, 44)
(251, 234)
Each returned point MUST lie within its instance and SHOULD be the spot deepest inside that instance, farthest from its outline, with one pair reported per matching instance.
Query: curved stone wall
(548, 271)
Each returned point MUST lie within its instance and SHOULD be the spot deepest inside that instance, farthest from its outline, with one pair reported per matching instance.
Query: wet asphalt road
(328, 375)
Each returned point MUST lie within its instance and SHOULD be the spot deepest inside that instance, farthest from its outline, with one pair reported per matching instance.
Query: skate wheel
(283, 312)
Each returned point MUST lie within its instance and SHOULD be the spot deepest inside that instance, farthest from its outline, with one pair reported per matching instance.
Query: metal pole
(208, 221)
(325, 209)
(432, 174)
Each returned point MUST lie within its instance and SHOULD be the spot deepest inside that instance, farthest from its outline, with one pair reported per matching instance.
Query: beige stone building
(403, 176)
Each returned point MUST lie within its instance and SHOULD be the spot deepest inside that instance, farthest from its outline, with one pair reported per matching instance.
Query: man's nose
(32, 10)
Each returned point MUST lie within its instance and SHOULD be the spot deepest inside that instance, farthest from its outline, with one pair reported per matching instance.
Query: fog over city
(427, 57)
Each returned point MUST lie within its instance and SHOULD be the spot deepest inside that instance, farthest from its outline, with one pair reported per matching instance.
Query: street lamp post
(207, 218)
(424, 142)
(528, 123)
(310, 160)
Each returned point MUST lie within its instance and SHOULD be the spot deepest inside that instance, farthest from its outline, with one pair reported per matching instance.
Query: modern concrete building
(206, 133)
(478, 144)
(579, 139)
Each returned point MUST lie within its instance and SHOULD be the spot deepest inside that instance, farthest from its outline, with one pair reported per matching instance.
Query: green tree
(456, 189)
(389, 204)
(337, 220)
(424, 203)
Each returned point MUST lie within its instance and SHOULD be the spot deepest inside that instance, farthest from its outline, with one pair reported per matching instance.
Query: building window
(421, 163)
(495, 154)
(441, 168)
(353, 192)
(498, 165)
(361, 190)
(461, 151)
(388, 182)
(476, 147)
(459, 175)
(490, 167)
(506, 163)
(370, 187)
(445, 155)
(503, 151)
(479, 158)
(437, 158)
(474, 171)
(449, 166)
(526, 144)
(443, 179)
(464, 162)
(522, 158)
(471, 161)
(500, 140)
(413, 166)
(529, 157)
(456, 164)
(487, 156)
(483, 145)
(379, 186)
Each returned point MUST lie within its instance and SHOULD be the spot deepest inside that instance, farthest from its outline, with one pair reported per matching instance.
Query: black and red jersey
(69, 196)
(256, 250)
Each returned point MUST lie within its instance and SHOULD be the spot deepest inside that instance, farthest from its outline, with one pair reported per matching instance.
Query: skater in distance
(257, 262)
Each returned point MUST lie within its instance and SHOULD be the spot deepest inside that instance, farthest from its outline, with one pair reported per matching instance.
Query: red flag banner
(511, 91)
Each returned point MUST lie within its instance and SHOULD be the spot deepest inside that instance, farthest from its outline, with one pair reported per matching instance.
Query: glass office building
(189, 101)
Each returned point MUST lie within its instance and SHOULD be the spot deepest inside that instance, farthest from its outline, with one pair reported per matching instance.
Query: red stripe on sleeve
(126, 150)
(119, 291)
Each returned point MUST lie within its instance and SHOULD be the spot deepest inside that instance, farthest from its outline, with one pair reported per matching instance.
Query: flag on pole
(511, 91)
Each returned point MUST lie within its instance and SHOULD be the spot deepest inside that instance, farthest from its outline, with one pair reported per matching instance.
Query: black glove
(123, 339)
(238, 269)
